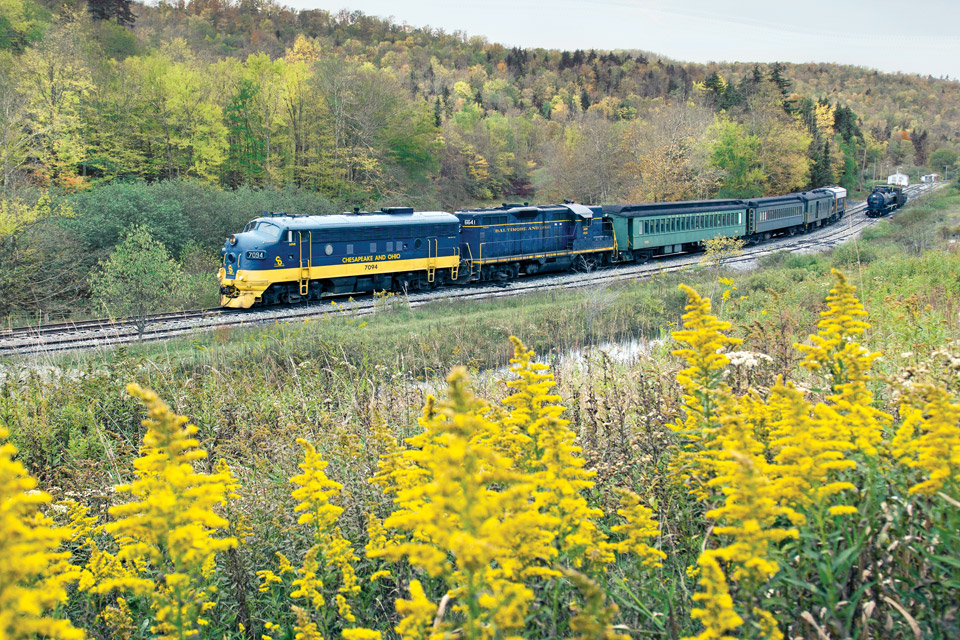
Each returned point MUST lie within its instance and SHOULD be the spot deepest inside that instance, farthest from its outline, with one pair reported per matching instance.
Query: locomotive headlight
(233, 239)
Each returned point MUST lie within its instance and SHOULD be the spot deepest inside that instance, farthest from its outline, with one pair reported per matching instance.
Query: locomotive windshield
(272, 231)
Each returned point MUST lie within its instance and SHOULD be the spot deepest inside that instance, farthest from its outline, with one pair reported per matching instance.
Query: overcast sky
(915, 37)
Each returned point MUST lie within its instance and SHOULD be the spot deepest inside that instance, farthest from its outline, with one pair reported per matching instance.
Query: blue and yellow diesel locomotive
(281, 258)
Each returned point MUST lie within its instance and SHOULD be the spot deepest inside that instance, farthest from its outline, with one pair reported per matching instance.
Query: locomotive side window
(418, 243)
(389, 245)
(328, 249)
(373, 247)
(349, 249)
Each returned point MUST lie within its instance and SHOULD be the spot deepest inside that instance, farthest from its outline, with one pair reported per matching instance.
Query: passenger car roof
(644, 209)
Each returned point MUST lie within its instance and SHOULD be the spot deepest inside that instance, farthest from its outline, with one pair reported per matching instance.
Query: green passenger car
(646, 230)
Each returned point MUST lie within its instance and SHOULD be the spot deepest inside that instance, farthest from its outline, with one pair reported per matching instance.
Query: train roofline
(336, 220)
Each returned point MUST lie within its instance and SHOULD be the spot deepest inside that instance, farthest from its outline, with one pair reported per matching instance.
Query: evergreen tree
(437, 113)
(845, 123)
(776, 77)
(821, 173)
(920, 141)
(584, 99)
(118, 10)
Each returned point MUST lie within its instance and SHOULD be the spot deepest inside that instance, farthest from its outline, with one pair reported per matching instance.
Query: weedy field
(782, 462)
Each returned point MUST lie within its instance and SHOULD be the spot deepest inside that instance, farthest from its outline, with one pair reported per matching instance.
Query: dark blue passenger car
(505, 242)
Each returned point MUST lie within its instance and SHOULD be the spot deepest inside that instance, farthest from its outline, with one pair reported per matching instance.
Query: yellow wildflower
(418, 614)
(119, 620)
(929, 437)
(845, 364)
(716, 613)
(706, 398)
(748, 515)
(344, 609)
(808, 450)
(315, 491)
(81, 524)
(639, 527)
(305, 628)
(284, 565)
(170, 523)
(28, 543)
(105, 572)
(542, 446)
(308, 585)
(361, 634)
(466, 513)
(267, 578)
(842, 510)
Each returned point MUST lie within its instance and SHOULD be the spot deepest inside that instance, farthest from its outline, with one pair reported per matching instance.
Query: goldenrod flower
(845, 364)
(315, 491)
(466, 513)
(929, 437)
(308, 584)
(716, 613)
(809, 450)
(542, 447)
(639, 527)
(418, 614)
(706, 397)
(267, 578)
(361, 634)
(29, 589)
(170, 524)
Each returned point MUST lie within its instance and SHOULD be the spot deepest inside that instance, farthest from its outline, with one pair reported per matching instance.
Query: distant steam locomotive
(885, 199)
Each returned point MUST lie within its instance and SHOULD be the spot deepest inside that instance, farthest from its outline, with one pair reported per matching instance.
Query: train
(884, 199)
(283, 258)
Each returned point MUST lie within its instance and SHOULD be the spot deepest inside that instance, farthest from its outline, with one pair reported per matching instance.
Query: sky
(912, 37)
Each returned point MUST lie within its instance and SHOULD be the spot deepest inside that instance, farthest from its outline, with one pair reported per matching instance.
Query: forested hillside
(101, 103)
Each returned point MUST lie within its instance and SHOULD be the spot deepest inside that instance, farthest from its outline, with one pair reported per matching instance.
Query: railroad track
(52, 338)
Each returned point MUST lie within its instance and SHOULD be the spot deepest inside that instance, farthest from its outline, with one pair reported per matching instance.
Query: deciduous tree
(139, 278)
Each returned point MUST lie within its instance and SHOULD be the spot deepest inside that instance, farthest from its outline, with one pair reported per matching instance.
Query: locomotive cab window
(271, 231)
